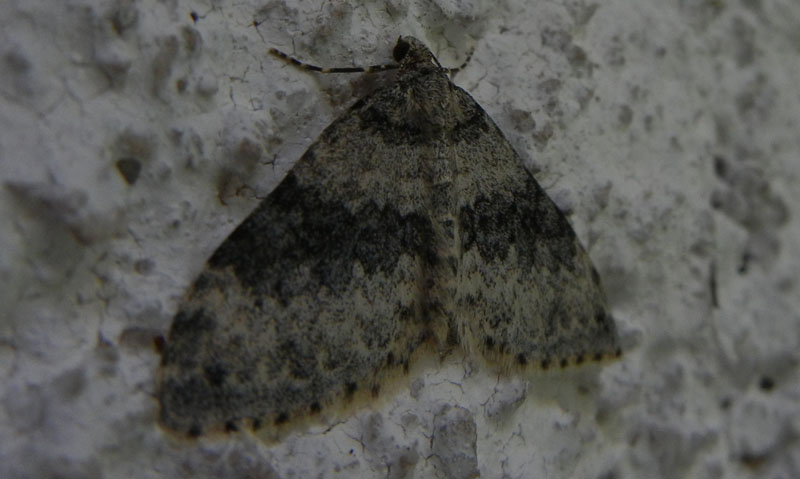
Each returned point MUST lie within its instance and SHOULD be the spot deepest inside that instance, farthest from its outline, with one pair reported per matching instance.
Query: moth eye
(400, 50)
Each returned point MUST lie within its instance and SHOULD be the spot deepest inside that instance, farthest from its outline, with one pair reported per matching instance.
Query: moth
(410, 221)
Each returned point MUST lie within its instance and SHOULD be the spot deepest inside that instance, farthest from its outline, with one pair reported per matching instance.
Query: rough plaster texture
(135, 135)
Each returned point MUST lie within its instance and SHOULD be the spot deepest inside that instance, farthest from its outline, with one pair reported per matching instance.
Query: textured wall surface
(135, 135)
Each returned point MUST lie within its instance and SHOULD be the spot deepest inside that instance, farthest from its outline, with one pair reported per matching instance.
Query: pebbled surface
(667, 132)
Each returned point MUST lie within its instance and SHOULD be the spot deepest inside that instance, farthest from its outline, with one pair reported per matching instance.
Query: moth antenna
(314, 68)
(454, 70)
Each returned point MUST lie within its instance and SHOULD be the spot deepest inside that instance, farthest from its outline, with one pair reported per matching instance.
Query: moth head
(410, 51)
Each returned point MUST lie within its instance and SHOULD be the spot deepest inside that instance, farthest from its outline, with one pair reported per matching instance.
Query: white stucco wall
(669, 130)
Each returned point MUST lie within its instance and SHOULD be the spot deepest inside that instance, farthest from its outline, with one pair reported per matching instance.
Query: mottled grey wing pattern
(527, 291)
(320, 290)
(410, 219)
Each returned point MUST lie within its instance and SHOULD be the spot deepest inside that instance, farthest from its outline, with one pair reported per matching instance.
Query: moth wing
(314, 296)
(527, 290)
